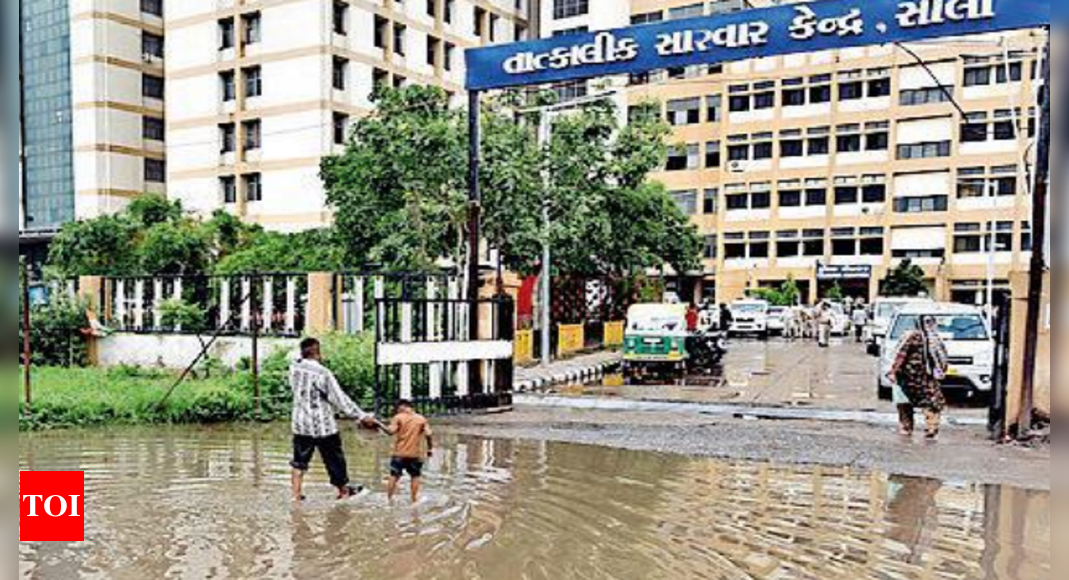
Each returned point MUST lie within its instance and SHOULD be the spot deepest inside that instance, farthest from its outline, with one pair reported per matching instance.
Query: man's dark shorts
(330, 449)
(401, 465)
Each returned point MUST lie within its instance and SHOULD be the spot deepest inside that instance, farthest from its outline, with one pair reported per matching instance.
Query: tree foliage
(905, 280)
(400, 190)
(154, 236)
(788, 294)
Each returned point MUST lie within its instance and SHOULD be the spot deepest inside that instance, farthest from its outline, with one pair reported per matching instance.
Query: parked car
(968, 339)
(840, 320)
(751, 317)
(778, 319)
(883, 310)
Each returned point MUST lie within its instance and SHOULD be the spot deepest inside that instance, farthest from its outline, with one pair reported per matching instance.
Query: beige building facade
(259, 91)
(831, 168)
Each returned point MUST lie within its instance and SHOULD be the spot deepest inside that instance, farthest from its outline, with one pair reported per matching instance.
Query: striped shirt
(317, 399)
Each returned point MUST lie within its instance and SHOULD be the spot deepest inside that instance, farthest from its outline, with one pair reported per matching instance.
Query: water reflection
(185, 503)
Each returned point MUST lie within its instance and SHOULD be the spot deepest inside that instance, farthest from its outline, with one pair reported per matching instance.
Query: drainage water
(214, 503)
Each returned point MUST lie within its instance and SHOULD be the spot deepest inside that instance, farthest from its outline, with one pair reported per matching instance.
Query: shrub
(57, 332)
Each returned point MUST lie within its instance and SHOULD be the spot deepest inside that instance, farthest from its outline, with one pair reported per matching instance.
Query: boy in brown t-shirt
(410, 430)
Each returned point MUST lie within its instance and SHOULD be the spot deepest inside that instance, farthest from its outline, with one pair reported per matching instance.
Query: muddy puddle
(213, 503)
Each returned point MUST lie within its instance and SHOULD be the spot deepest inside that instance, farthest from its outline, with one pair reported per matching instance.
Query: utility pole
(474, 219)
(545, 128)
(27, 345)
(1039, 261)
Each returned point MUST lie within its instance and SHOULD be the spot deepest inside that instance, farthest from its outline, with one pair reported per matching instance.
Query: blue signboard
(797, 28)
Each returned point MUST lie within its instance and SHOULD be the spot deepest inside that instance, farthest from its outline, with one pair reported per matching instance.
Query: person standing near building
(917, 375)
(860, 319)
(317, 398)
(824, 322)
(727, 319)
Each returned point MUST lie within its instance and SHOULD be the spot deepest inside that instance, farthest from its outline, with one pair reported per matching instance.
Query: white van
(883, 310)
(968, 339)
(750, 317)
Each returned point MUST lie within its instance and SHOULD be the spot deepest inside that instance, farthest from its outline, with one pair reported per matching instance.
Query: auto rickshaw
(658, 344)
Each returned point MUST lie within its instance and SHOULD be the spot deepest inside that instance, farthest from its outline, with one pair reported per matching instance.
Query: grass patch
(65, 398)
(84, 397)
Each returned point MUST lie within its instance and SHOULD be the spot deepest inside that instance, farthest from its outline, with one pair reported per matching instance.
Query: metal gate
(424, 352)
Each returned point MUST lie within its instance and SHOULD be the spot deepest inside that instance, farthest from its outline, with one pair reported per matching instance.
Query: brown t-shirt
(410, 431)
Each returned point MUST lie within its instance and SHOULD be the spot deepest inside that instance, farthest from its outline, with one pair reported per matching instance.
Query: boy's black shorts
(401, 465)
(330, 449)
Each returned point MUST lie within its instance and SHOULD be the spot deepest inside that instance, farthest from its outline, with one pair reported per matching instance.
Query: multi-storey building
(833, 167)
(93, 116)
(259, 92)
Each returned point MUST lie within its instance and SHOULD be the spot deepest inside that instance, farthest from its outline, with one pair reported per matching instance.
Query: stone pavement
(578, 370)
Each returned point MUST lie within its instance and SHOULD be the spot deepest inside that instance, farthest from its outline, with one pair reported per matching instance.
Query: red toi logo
(51, 506)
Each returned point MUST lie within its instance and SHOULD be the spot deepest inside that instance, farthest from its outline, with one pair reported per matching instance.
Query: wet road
(213, 503)
(777, 373)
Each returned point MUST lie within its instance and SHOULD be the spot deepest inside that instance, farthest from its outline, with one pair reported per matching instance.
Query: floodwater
(214, 503)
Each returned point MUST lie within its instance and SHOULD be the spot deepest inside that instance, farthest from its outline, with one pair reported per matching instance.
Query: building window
(872, 241)
(1026, 236)
(791, 144)
(683, 112)
(153, 128)
(976, 182)
(433, 46)
(924, 150)
(341, 128)
(155, 170)
(969, 238)
(844, 242)
(687, 201)
(450, 11)
(738, 201)
(931, 96)
(380, 79)
(819, 142)
(738, 148)
(229, 188)
(341, 18)
(152, 7)
(253, 134)
(927, 204)
(448, 56)
(226, 34)
(851, 86)
(253, 81)
(399, 44)
(761, 199)
(874, 192)
(382, 28)
(226, 84)
(570, 8)
(432, 9)
(763, 148)
(571, 31)
(252, 24)
(714, 108)
(788, 244)
(813, 243)
(647, 18)
(340, 73)
(227, 138)
(570, 91)
(790, 196)
(848, 139)
(711, 201)
(480, 21)
(151, 45)
(152, 86)
(765, 96)
(684, 158)
(984, 71)
(820, 89)
(981, 127)
(877, 136)
(712, 155)
(711, 249)
(253, 187)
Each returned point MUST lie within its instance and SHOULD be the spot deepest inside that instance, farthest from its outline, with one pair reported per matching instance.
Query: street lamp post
(545, 136)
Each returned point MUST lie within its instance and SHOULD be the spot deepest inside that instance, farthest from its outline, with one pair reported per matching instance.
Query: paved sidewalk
(578, 370)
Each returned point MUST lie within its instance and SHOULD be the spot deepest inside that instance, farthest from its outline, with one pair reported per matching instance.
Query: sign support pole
(27, 345)
(474, 220)
(1039, 261)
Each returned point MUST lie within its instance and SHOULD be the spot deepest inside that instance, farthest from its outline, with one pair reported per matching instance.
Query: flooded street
(213, 503)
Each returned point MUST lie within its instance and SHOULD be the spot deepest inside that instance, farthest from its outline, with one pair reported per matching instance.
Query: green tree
(905, 280)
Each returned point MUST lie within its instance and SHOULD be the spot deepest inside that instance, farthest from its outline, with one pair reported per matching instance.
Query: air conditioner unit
(738, 167)
(150, 58)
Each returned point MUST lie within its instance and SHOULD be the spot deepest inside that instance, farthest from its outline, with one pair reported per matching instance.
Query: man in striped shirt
(317, 399)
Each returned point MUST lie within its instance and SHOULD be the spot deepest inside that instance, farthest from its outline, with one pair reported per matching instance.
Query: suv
(968, 339)
(883, 310)
(751, 317)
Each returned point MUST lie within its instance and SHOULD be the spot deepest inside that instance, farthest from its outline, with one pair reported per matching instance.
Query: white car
(750, 317)
(968, 339)
(778, 319)
(883, 310)
(840, 320)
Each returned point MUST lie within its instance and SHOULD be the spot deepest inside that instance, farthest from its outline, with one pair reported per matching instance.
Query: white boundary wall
(178, 351)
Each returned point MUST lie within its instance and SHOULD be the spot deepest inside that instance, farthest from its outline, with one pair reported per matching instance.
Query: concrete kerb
(579, 375)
